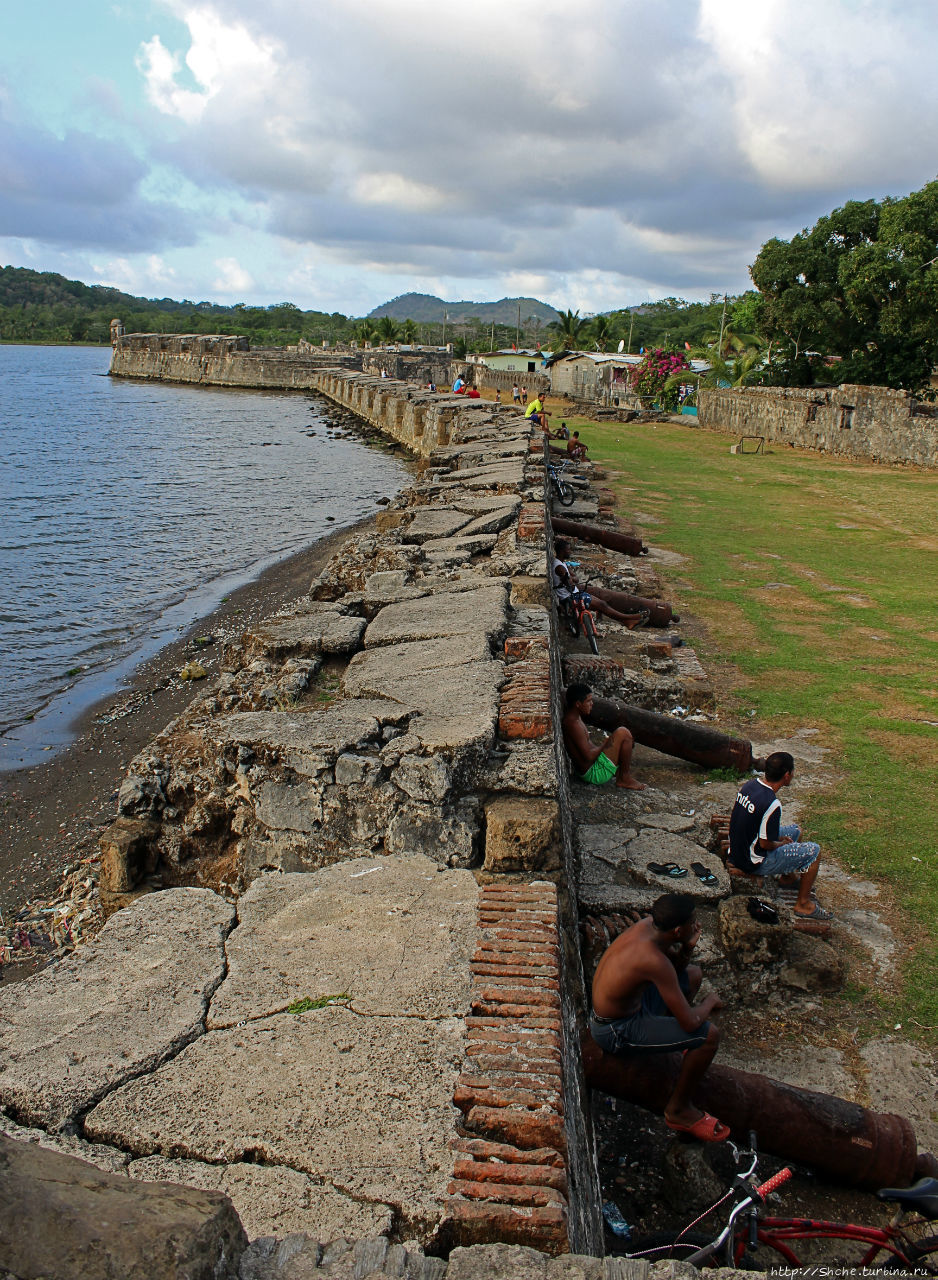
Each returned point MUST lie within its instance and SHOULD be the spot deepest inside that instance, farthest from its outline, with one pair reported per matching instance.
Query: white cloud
(232, 277)
(601, 152)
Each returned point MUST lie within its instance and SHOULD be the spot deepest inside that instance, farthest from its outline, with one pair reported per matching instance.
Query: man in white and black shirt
(761, 846)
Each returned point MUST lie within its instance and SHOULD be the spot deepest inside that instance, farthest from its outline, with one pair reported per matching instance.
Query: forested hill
(424, 308)
(41, 306)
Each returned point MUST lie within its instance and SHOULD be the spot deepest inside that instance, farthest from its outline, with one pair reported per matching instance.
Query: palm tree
(387, 329)
(736, 370)
(568, 325)
(409, 331)
(601, 331)
(364, 331)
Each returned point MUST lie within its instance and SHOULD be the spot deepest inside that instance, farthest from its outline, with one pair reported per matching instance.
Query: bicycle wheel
(569, 615)
(565, 494)
(664, 1246)
(589, 630)
(922, 1255)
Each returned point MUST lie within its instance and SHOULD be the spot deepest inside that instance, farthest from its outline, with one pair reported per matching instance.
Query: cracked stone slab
(475, 546)
(114, 1008)
(310, 739)
(414, 931)
(364, 1104)
(434, 522)
(815, 1067)
(272, 1200)
(614, 866)
(109, 1159)
(449, 687)
(903, 1078)
(674, 822)
(479, 613)
(318, 628)
(872, 932)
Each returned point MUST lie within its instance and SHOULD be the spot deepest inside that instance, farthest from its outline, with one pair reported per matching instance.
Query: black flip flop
(703, 874)
(669, 869)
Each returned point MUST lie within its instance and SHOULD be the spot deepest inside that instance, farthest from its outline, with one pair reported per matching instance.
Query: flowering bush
(650, 378)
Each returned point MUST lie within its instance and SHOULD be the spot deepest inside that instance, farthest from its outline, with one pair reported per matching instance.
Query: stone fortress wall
(851, 421)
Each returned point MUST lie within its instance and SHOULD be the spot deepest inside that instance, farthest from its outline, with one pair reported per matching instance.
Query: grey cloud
(79, 190)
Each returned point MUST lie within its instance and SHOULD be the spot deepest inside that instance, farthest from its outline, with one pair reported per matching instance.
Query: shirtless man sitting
(596, 765)
(642, 1003)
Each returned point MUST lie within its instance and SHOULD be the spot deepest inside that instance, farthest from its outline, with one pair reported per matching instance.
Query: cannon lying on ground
(627, 543)
(840, 1139)
(684, 739)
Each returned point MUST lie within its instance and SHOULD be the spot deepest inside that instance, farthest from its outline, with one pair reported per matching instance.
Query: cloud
(232, 279)
(78, 190)
(369, 146)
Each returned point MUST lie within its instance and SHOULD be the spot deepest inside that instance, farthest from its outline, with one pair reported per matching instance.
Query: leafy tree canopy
(861, 285)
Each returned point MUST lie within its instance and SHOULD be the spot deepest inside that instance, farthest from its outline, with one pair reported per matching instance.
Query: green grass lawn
(816, 580)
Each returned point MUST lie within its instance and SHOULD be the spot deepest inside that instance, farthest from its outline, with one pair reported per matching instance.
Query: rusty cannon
(840, 1139)
(688, 741)
(627, 543)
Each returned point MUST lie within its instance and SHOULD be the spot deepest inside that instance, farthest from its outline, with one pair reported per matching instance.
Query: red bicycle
(575, 609)
(901, 1245)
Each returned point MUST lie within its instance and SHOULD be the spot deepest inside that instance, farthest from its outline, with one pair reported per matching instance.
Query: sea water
(129, 509)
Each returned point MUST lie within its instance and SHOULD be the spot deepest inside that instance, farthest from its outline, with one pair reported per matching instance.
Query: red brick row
(531, 522)
(509, 1176)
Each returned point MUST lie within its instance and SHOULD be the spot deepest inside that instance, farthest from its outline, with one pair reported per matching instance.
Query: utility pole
(492, 347)
(518, 329)
(631, 322)
(722, 327)
(444, 328)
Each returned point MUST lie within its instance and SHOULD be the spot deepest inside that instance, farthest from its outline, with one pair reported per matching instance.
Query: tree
(601, 332)
(568, 325)
(387, 329)
(862, 286)
(409, 331)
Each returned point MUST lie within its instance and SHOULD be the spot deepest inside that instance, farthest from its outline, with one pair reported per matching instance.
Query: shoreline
(54, 812)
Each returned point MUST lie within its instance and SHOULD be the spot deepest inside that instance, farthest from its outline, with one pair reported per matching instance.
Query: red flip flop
(707, 1129)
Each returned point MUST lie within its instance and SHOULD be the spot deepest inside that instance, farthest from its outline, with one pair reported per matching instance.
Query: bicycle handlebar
(773, 1183)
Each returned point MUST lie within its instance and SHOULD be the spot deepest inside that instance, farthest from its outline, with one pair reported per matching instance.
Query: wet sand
(52, 815)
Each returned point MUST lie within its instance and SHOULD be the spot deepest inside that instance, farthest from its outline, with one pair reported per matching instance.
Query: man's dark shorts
(652, 1030)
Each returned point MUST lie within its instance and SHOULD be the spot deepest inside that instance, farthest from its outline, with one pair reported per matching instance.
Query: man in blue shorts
(761, 846)
(596, 765)
(642, 998)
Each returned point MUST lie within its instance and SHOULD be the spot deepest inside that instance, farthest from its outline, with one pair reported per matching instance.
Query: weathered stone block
(522, 834)
(61, 1218)
(282, 806)
(424, 778)
(128, 853)
(747, 941)
(356, 771)
(444, 838)
(813, 965)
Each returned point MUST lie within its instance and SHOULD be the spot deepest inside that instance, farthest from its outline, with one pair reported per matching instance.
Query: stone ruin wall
(849, 421)
(405, 709)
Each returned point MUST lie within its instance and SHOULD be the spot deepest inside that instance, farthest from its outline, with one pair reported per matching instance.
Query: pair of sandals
(674, 871)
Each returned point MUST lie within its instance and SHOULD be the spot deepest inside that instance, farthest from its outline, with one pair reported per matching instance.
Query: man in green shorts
(596, 765)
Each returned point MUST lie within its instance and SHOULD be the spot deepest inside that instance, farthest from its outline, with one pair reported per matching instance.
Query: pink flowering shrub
(650, 378)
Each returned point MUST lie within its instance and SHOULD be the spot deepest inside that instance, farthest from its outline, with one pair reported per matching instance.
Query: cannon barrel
(840, 1139)
(611, 538)
(684, 739)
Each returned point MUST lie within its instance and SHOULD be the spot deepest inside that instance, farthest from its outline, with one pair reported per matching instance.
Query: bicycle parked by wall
(905, 1244)
(575, 611)
(561, 486)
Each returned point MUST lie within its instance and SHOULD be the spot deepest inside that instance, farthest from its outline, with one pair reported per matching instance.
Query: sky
(336, 153)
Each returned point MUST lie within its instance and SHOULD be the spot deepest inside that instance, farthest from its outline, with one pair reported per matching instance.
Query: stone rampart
(222, 361)
(850, 421)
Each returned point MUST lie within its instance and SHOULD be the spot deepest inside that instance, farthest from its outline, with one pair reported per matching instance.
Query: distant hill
(424, 308)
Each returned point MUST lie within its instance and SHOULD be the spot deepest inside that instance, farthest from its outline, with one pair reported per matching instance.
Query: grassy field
(816, 580)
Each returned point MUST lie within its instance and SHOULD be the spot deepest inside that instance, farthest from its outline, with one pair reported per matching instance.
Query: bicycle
(575, 610)
(746, 1228)
(560, 486)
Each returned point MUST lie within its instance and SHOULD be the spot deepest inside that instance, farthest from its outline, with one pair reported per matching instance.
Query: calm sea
(128, 509)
